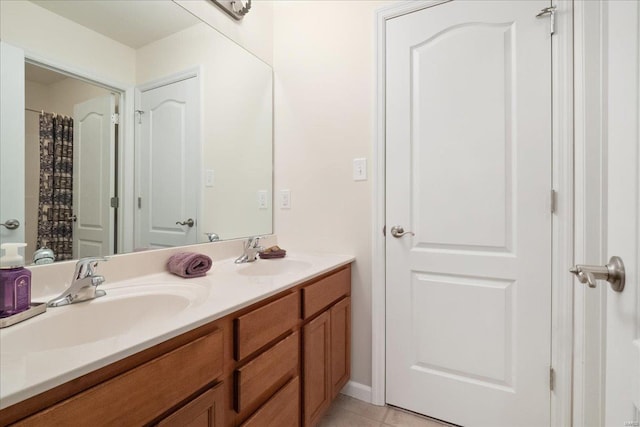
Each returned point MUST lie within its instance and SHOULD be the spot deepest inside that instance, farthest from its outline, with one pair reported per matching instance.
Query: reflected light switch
(262, 199)
(209, 178)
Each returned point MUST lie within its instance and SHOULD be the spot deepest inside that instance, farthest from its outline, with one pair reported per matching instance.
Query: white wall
(50, 36)
(324, 117)
(254, 32)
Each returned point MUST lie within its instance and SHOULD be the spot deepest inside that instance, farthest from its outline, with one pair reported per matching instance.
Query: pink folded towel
(189, 264)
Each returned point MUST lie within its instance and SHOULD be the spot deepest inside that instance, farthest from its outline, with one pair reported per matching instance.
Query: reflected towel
(189, 264)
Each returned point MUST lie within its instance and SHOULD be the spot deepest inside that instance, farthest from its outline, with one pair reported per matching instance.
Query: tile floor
(349, 412)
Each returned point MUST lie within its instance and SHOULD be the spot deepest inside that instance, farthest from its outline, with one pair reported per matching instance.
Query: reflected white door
(12, 141)
(93, 177)
(622, 378)
(468, 297)
(169, 163)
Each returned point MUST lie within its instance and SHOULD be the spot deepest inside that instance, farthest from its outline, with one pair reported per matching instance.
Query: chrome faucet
(213, 237)
(84, 284)
(251, 250)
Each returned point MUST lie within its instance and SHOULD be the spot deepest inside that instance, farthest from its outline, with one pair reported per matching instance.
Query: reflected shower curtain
(55, 228)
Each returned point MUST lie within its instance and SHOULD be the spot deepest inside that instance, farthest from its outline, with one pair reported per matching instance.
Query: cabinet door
(340, 320)
(317, 390)
(205, 410)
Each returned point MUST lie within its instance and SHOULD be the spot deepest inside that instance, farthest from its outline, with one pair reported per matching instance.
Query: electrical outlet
(262, 199)
(360, 169)
(285, 199)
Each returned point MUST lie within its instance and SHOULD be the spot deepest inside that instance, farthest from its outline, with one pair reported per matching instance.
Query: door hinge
(139, 113)
(115, 202)
(384, 231)
(553, 201)
(551, 12)
(139, 202)
(115, 119)
(552, 378)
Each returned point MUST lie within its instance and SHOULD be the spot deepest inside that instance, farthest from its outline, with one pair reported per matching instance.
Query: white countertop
(39, 354)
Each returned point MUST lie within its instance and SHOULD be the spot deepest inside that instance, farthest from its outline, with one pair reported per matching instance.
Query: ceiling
(134, 24)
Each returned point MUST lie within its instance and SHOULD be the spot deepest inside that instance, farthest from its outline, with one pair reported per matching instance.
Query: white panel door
(169, 164)
(468, 297)
(11, 141)
(93, 177)
(622, 377)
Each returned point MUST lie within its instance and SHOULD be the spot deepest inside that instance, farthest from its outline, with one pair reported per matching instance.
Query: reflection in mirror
(68, 134)
(168, 128)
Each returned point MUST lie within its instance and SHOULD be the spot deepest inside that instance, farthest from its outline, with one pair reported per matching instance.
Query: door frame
(562, 229)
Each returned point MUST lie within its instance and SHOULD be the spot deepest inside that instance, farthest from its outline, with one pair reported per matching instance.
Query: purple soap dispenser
(15, 281)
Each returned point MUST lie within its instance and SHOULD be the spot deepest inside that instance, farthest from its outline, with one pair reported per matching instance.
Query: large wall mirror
(129, 125)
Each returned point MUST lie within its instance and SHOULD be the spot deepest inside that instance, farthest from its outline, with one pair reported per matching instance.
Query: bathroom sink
(114, 316)
(273, 267)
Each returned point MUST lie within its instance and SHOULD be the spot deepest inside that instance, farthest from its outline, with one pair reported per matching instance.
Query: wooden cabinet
(279, 362)
(256, 381)
(206, 410)
(326, 343)
(340, 360)
(317, 335)
(282, 410)
(143, 393)
(257, 328)
(321, 294)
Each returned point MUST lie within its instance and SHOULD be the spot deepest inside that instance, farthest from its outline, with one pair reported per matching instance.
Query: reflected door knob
(612, 273)
(11, 224)
(397, 231)
(190, 222)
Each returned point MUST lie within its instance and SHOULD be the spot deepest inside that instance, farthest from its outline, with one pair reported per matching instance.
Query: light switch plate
(360, 169)
(285, 199)
(262, 199)
(209, 178)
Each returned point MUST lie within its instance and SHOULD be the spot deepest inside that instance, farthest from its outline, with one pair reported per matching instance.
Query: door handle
(188, 222)
(397, 231)
(11, 224)
(612, 273)
(72, 218)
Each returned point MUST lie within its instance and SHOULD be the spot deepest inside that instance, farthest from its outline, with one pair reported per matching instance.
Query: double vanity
(257, 344)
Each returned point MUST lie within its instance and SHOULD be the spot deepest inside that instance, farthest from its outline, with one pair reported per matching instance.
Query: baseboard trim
(357, 391)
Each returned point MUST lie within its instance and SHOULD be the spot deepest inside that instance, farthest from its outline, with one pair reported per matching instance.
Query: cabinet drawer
(143, 393)
(258, 379)
(282, 410)
(206, 410)
(325, 292)
(257, 328)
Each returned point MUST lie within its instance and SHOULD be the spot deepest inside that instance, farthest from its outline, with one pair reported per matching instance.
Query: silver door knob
(188, 222)
(397, 231)
(11, 224)
(72, 218)
(612, 273)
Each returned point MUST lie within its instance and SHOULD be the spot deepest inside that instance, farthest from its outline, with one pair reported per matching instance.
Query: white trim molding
(563, 244)
(562, 250)
(590, 211)
(357, 391)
